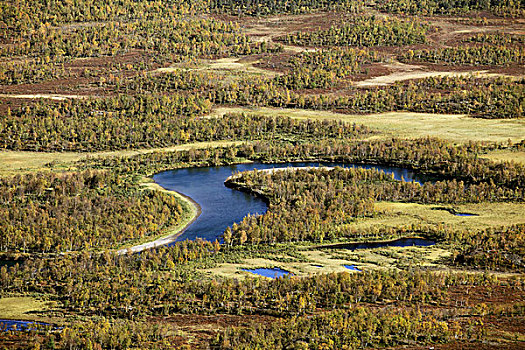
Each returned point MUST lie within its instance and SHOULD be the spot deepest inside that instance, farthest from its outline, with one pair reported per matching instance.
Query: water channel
(222, 206)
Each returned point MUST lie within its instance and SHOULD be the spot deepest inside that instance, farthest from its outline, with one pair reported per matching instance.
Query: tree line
(452, 7)
(479, 97)
(265, 8)
(173, 37)
(427, 155)
(148, 121)
(469, 55)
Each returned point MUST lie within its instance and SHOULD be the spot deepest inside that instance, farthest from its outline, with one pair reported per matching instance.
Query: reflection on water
(402, 242)
(222, 206)
(272, 273)
(15, 325)
(352, 267)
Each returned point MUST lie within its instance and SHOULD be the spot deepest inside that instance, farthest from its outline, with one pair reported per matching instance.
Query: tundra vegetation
(97, 97)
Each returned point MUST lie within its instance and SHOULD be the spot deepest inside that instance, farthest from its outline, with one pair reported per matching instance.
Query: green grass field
(456, 128)
(393, 214)
(15, 162)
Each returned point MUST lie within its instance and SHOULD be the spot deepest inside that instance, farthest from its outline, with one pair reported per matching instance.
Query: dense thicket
(317, 204)
(325, 68)
(156, 282)
(147, 121)
(481, 55)
(363, 31)
(448, 7)
(49, 212)
(478, 97)
(357, 328)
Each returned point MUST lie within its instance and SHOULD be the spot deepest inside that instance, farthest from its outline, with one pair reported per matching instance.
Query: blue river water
(17, 325)
(401, 242)
(222, 206)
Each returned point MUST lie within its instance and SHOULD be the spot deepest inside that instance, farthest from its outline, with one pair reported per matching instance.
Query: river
(222, 206)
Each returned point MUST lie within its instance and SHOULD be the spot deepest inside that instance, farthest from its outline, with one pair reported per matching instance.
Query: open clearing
(385, 80)
(22, 161)
(456, 128)
(333, 260)
(56, 97)
(394, 214)
(223, 65)
(488, 215)
(506, 156)
(21, 308)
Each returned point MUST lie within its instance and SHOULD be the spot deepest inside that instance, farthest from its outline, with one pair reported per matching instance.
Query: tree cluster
(451, 7)
(352, 329)
(478, 97)
(318, 204)
(148, 121)
(497, 39)
(487, 55)
(363, 31)
(494, 248)
(50, 212)
(325, 68)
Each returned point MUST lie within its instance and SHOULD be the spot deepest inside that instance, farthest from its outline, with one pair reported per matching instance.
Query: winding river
(222, 206)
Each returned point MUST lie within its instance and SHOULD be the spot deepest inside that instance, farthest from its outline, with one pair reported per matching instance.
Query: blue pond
(352, 267)
(465, 214)
(402, 242)
(272, 273)
(15, 325)
(222, 206)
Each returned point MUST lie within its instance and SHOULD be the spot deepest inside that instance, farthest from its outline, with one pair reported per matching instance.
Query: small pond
(272, 273)
(454, 211)
(352, 267)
